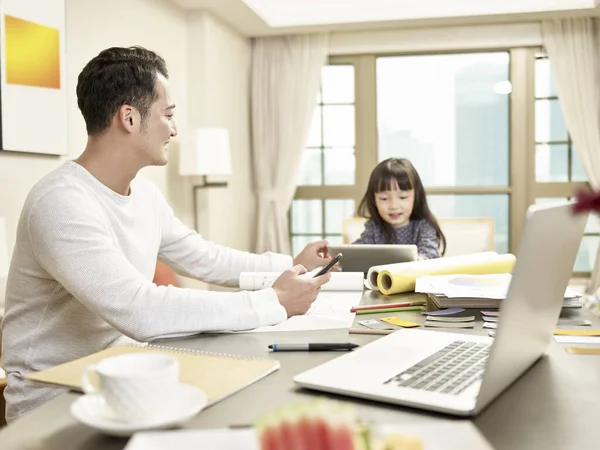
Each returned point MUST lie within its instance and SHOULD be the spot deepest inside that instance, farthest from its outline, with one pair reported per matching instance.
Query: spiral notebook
(219, 375)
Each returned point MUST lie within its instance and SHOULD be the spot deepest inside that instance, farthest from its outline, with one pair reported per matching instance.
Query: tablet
(361, 257)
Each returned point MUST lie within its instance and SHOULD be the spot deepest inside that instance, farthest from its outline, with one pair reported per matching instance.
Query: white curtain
(573, 46)
(286, 73)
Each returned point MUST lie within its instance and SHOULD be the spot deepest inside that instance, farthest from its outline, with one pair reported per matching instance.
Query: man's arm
(191, 255)
(73, 243)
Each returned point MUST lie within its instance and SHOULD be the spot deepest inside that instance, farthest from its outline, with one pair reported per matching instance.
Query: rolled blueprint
(340, 281)
(373, 274)
(403, 279)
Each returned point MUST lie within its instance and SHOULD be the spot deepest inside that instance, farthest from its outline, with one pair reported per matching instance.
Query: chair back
(352, 228)
(466, 235)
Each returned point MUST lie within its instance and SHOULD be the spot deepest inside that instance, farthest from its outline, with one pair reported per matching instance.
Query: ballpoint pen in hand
(311, 347)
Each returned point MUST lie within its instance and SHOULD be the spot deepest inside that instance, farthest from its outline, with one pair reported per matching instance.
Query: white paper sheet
(340, 281)
(577, 339)
(331, 310)
(446, 435)
(492, 286)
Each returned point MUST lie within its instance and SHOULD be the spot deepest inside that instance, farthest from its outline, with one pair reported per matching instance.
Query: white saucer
(87, 411)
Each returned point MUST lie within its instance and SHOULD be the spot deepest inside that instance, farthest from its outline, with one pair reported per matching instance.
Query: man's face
(159, 126)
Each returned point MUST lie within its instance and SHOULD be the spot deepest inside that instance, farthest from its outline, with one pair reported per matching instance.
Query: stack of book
(476, 291)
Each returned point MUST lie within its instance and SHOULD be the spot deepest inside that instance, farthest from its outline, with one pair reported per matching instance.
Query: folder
(219, 375)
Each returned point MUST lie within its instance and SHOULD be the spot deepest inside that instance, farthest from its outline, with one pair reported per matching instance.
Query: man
(91, 231)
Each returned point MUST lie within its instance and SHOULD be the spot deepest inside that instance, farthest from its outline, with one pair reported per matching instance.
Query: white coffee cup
(137, 387)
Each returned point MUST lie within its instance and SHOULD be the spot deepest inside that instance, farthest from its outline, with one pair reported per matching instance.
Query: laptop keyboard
(451, 370)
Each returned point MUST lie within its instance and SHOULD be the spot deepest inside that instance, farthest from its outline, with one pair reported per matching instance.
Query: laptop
(461, 374)
(361, 257)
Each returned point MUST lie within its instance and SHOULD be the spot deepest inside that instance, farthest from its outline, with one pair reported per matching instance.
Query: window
(484, 129)
(555, 157)
(328, 161)
(558, 170)
(329, 155)
(449, 114)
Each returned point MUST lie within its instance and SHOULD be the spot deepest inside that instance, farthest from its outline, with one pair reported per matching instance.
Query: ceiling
(268, 17)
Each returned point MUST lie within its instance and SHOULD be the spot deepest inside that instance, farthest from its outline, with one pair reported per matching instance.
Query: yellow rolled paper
(400, 280)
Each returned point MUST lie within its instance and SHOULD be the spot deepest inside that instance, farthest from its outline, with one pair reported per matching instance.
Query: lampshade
(206, 153)
(3, 251)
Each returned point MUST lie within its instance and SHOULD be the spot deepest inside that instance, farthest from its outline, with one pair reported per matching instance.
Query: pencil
(385, 306)
(369, 331)
(389, 310)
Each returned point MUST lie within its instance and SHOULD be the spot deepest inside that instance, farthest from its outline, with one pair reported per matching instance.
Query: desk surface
(552, 406)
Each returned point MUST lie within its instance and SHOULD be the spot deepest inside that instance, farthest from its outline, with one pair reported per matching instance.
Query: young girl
(396, 206)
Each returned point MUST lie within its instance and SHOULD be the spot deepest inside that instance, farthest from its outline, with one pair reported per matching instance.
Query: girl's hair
(404, 173)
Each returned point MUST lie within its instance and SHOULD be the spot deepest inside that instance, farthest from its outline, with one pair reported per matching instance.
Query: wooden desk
(552, 406)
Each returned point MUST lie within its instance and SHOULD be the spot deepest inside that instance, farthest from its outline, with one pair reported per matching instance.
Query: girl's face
(395, 206)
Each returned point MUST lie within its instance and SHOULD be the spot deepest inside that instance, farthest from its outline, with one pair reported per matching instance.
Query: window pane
(549, 122)
(338, 126)
(335, 212)
(552, 163)
(338, 84)
(593, 224)
(445, 114)
(586, 256)
(310, 170)
(314, 135)
(490, 205)
(340, 166)
(544, 80)
(307, 216)
(577, 170)
(299, 242)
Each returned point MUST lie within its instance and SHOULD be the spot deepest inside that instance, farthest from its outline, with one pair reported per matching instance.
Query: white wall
(219, 95)
(90, 27)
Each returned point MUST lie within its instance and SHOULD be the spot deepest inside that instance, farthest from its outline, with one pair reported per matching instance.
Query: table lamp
(206, 153)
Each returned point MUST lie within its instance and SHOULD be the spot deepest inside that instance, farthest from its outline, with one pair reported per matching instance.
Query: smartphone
(331, 263)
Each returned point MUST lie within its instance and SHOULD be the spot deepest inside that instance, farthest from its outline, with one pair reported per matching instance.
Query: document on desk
(577, 339)
(331, 310)
(340, 281)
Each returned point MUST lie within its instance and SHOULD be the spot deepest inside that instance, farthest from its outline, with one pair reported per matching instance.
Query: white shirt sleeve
(189, 254)
(72, 241)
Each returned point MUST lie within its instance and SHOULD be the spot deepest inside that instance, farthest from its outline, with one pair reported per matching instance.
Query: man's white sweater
(81, 279)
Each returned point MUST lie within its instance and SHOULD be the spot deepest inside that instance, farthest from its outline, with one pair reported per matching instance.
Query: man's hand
(297, 294)
(316, 254)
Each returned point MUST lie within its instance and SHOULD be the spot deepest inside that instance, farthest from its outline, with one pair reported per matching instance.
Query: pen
(384, 306)
(311, 347)
(388, 310)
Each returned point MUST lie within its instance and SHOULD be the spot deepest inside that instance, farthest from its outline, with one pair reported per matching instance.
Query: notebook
(219, 375)
(442, 301)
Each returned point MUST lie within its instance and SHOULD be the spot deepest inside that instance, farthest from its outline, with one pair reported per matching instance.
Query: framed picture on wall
(33, 113)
